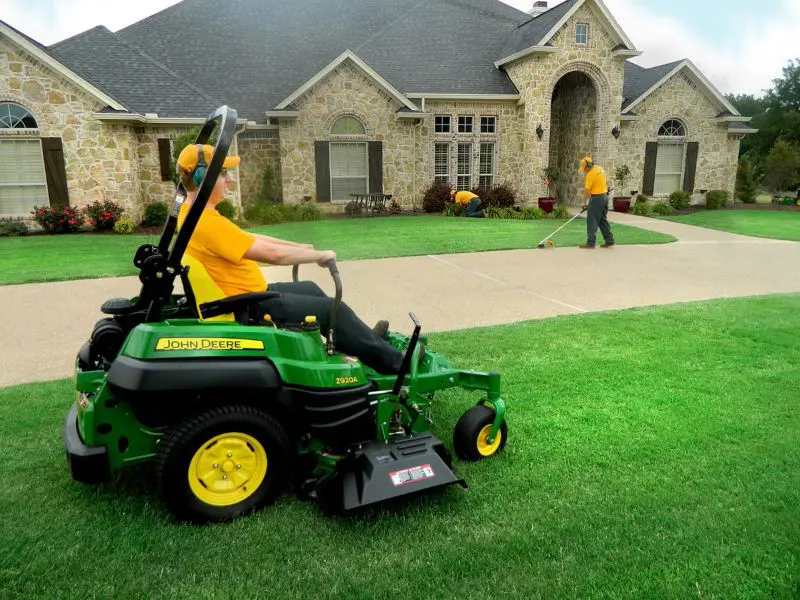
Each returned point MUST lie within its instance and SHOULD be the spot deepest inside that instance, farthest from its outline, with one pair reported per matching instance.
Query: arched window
(348, 160)
(14, 116)
(671, 157)
(23, 183)
(348, 125)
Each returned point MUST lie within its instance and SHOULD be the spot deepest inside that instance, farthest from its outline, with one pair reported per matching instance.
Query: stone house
(357, 96)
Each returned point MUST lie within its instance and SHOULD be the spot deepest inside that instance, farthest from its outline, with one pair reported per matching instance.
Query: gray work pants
(596, 217)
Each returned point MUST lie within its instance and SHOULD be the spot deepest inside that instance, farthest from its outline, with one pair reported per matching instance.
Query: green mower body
(233, 412)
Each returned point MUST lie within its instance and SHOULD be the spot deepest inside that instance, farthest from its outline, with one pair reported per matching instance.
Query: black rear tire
(470, 433)
(181, 444)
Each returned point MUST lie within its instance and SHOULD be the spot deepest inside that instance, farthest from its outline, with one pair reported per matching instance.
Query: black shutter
(56, 172)
(164, 158)
(691, 166)
(650, 155)
(375, 167)
(323, 171)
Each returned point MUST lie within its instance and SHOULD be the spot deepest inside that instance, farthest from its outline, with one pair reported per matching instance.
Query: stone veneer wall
(537, 76)
(346, 91)
(257, 149)
(100, 159)
(680, 98)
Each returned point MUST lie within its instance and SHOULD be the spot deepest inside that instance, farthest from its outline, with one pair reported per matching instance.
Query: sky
(740, 45)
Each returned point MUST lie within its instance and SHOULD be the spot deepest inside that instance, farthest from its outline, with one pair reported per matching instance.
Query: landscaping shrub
(452, 209)
(155, 214)
(103, 214)
(436, 197)
(353, 208)
(663, 209)
(643, 209)
(496, 212)
(394, 207)
(560, 212)
(502, 196)
(226, 209)
(308, 212)
(532, 213)
(716, 198)
(642, 198)
(265, 213)
(124, 226)
(745, 183)
(270, 192)
(58, 220)
(12, 228)
(680, 200)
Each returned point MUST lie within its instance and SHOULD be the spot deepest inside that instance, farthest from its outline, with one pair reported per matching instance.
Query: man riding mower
(233, 404)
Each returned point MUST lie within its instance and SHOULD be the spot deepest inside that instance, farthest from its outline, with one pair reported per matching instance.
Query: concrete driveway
(44, 325)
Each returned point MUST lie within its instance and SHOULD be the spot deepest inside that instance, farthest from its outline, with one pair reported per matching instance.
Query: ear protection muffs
(200, 169)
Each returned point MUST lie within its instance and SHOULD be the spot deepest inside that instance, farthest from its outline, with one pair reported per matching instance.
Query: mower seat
(210, 301)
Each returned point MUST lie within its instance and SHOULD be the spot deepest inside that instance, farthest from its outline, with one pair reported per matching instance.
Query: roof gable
(346, 56)
(48, 58)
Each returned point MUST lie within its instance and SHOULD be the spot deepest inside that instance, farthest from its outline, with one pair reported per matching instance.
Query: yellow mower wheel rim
(484, 447)
(227, 469)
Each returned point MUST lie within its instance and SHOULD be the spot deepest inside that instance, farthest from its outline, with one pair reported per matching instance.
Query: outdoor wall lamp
(615, 132)
(539, 131)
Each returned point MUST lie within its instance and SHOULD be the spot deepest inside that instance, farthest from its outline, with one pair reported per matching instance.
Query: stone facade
(680, 98)
(100, 159)
(257, 149)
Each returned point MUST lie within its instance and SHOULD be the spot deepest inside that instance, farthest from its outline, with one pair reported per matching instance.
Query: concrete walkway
(44, 325)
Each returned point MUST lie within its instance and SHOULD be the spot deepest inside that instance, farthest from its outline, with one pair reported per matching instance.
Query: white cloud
(754, 54)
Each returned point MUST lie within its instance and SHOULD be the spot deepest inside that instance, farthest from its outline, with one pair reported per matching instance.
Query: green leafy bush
(270, 192)
(155, 214)
(265, 213)
(680, 200)
(436, 197)
(560, 212)
(532, 213)
(58, 220)
(226, 209)
(716, 198)
(103, 215)
(641, 198)
(663, 209)
(353, 208)
(496, 212)
(643, 209)
(308, 212)
(124, 226)
(745, 183)
(12, 228)
(452, 209)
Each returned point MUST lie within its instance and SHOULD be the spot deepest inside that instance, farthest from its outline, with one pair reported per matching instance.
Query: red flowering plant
(103, 214)
(58, 220)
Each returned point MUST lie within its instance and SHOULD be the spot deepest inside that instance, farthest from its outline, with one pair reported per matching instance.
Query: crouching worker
(230, 255)
(471, 201)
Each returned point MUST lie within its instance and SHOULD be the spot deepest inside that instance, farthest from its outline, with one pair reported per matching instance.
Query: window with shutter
(349, 170)
(670, 160)
(23, 182)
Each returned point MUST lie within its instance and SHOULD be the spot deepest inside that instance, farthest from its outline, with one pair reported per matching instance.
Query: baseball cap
(188, 158)
(586, 160)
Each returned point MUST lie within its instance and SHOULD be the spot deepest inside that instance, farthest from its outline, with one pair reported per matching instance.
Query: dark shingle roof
(531, 32)
(145, 84)
(639, 79)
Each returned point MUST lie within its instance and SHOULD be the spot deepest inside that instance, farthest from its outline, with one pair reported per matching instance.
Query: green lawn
(778, 225)
(653, 453)
(56, 258)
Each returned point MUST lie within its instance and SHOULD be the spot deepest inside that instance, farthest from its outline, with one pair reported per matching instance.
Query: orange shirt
(221, 245)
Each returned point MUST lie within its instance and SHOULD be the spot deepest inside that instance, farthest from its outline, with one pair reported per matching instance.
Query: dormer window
(582, 34)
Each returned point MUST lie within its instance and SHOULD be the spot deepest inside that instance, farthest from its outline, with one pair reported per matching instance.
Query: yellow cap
(586, 160)
(268, 318)
(189, 158)
(311, 319)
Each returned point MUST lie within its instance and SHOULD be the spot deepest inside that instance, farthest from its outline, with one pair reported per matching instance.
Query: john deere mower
(232, 408)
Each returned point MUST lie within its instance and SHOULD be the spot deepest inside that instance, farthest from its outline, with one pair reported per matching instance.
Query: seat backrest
(203, 288)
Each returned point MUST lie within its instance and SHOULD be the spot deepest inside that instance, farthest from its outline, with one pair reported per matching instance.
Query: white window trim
(470, 166)
(449, 124)
(494, 124)
(493, 172)
(448, 175)
(684, 146)
(330, 167)
(471, 125)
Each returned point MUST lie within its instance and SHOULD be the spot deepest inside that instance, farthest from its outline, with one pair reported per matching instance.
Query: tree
(270, 188)
(782, 166)
(745, 186)
(786, 93)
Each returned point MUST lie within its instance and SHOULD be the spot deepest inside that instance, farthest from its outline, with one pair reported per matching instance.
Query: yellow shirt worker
(231, 257)
(595, 198)
(470, 200)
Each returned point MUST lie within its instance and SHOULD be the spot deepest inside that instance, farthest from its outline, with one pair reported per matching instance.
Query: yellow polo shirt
(221, 245)
(596, 182)
(464, 197)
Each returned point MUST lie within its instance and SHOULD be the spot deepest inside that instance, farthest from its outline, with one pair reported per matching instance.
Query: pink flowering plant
(549, 176)
(58, 220)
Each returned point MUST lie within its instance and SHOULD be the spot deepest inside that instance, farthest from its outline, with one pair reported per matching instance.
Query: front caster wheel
(470, 438)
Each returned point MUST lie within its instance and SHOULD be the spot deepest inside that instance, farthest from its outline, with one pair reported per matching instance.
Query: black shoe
(381, 329)
(607, 245)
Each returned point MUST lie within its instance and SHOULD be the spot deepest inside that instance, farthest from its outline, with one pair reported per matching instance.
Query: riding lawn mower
(232, 408)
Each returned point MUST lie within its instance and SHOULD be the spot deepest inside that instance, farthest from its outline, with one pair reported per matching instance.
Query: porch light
(539, 131)
(615, 132)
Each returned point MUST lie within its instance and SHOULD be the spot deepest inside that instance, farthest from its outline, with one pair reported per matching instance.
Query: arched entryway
(573, 131)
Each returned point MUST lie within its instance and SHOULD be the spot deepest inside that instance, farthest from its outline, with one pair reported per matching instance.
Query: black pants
(354, 337)
(597, 217)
